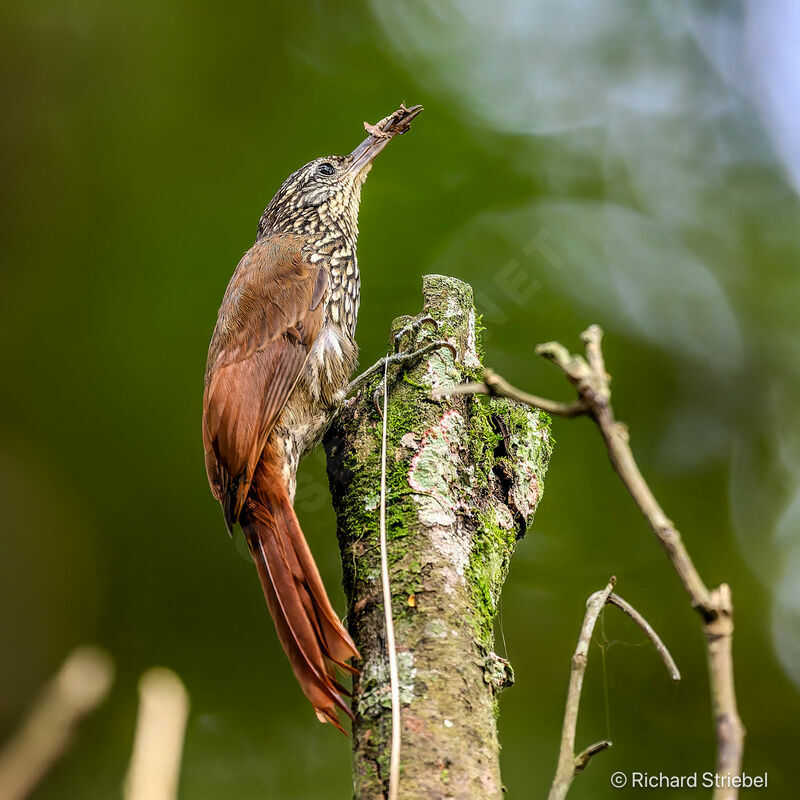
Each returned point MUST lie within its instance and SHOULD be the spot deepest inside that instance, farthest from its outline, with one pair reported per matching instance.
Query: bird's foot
(401, 357)
(413, 328)
(407, 358)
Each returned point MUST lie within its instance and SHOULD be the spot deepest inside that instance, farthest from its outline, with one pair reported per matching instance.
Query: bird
(278, 365)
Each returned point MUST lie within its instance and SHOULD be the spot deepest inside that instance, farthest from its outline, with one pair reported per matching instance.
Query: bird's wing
(269, 318)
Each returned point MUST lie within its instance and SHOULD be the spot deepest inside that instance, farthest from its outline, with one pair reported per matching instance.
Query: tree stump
(464, 477)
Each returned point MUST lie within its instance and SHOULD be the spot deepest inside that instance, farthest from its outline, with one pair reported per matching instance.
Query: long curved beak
(380, 134)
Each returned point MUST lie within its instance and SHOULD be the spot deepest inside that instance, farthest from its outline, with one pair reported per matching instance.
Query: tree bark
(464, 476)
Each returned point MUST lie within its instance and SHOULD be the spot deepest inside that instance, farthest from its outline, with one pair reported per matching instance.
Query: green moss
(414, 384)
(525, 434)
(479, 329)
(367, 774)
(492, 547)
(383, 762)
(484, 436)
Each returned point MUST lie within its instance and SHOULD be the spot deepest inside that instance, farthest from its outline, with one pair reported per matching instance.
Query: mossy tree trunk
(464, 476)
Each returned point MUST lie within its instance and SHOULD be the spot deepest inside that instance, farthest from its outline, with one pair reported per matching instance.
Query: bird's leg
(399, 357)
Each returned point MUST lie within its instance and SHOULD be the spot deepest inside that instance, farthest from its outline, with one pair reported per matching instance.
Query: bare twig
(583, 758)
(661, 648)
(497, 386)
(394, 679)
(715, 607)
(569, 764)
(78, 688)
(160, 727)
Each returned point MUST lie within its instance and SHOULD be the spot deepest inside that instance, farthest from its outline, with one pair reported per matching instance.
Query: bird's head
(326, 192)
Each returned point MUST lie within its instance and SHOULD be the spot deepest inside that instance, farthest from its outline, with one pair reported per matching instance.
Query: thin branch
(394, 679)
(661, 648)
(569, 764)
(155, 765)
(78, 688)
(497, 386)
(592, 383)
(566, 769)
(583, 758)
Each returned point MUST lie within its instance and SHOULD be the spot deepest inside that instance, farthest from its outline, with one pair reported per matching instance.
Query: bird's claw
(406, 358)
(400, 357)
(414, 327)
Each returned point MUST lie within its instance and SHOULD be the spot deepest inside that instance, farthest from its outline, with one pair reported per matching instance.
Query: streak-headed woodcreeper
(279, 361)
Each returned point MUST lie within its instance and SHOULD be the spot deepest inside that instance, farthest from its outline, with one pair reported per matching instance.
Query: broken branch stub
(464, 477)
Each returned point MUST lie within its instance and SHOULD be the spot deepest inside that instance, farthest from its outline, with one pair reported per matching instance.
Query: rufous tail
(309, 630)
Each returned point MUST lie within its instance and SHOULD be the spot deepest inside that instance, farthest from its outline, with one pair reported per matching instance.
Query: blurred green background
(634, 164)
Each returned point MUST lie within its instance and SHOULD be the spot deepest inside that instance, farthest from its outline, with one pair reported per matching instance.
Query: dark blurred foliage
(631, 164)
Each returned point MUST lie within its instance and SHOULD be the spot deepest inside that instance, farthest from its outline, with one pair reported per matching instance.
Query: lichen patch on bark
(434, 471)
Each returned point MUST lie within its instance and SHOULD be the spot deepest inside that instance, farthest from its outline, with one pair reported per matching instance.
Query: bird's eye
(326, 169)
